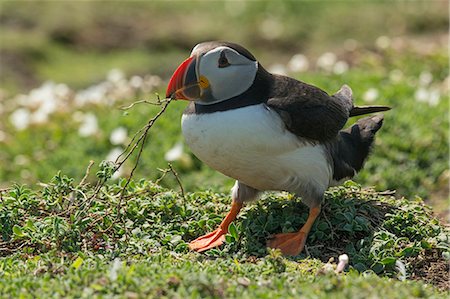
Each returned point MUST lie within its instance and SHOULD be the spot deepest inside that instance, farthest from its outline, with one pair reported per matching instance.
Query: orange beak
(183, 84)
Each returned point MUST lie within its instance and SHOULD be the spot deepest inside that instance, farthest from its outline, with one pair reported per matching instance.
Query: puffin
(268, 132)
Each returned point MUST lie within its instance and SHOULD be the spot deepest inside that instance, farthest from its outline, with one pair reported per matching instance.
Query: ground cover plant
(75, 92)
(71, 239)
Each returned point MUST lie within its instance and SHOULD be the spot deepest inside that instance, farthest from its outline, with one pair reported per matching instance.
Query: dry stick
(88, 170)
(129, 150)
(178, 180)
(141, 140)
(140, 102)
(145, 130)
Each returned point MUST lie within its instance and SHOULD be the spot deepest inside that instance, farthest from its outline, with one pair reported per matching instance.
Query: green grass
(70, 240)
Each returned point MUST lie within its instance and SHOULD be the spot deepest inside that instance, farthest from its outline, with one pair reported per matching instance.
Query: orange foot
(208, 241)
(289, 243)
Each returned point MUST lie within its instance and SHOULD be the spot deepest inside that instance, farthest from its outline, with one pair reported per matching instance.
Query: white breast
(251, 144)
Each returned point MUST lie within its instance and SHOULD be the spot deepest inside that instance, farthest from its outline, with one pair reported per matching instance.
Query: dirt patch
(431, 268)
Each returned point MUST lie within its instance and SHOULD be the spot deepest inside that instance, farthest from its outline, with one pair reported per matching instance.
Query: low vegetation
(69, 239)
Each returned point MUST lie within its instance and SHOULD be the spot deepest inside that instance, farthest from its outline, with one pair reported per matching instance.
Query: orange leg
(217, 237)
(293, 243)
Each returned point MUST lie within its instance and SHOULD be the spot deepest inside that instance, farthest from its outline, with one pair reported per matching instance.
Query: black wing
(308, 111)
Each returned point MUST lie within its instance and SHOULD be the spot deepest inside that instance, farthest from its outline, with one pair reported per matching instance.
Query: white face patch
(226, 81)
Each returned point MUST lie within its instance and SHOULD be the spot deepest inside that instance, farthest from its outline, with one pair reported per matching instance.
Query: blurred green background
(68, 66)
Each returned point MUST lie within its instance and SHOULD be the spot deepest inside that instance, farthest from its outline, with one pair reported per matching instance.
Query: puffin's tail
(361, 110)
(345, 95)
(353, 146)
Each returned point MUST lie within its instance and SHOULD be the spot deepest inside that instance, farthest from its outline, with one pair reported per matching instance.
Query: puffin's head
(215, 72)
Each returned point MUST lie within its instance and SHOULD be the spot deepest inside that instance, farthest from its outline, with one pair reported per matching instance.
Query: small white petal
(20, 118)
(425, 78)
(298, 63)
(421, 95)
(340, 67)
(434, 97)
(116, 266)
(271, 28)
(370, 95)
(278, 69)
(175, 153)
(39, 116)
(396, 76)
(326, 61)
(89, 125)
(383, 42)
(118, 136)
(115, 75)
(136, 81)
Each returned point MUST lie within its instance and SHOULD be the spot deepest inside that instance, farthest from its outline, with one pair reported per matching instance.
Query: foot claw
(208, 241)
(289, 244)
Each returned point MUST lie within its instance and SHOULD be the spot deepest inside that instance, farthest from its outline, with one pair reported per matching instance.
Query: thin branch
(88, 170)
(141, 140)
(159, 102)
(178, 180)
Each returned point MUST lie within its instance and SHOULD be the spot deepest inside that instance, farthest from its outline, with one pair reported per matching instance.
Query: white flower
(95, 94)
(326, 61)
(396, 75)
(136, 82)
(421, 95)
(425, 78)
(62, 90)
(115, 75)
(340, 67)
(271, 28)
(298, 63)
(278, 69)
(20, 118)
(118, 136)
(114, 154)
(39, 116)
(434, 97)
(383, 42)
(175, 153)
(116, 266)
(88, 126)
(370, 95)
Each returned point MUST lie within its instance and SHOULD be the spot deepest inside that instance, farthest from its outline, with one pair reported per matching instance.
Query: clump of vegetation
(146, 222)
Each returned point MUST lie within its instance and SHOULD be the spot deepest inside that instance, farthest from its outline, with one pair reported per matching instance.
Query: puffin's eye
(223, 61)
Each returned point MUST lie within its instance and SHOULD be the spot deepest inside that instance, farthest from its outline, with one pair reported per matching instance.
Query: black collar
(258, 93)
(234, 103)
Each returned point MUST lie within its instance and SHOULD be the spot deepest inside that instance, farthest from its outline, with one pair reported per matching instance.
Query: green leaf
(377, 268)
(17, 230)
(387, 261)
(229, 239)
(425, 244)
(175, 239)
(77, 263)
(348, 227)
(232, 230)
